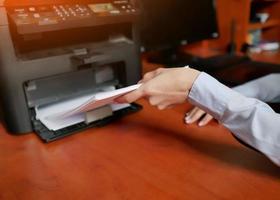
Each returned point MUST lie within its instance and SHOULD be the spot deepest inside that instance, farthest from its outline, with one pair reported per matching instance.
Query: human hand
(164, 87)
(198, 115)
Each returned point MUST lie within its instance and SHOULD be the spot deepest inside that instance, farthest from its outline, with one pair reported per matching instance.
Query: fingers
(159, 102)
(205, 120)
(164, 106)
(194, 115)
(160, 70)
(155, 101)
(137, 94)
(131, 97)
(150, 75)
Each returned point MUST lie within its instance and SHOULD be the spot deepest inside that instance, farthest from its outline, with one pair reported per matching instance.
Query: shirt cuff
(211, 96)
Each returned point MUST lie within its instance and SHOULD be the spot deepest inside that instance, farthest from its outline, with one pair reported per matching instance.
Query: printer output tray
(48, 136)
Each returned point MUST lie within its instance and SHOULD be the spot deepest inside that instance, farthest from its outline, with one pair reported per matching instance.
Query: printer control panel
(29, 19)
(44, 15)
(64, 12)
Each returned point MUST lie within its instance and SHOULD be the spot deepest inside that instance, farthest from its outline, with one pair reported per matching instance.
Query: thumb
(131, 97)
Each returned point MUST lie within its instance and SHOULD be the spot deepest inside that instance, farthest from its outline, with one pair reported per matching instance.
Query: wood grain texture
(149, 155)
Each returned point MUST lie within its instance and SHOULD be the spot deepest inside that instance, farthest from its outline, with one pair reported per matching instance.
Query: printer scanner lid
(36, 16)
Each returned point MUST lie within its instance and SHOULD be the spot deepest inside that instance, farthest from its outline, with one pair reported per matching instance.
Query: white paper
(95, 101)
(69, 112)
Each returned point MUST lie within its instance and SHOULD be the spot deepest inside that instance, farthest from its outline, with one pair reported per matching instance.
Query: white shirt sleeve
(249, 119)
(266, 88)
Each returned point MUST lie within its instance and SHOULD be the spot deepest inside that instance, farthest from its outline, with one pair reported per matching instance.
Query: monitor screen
(169, 23)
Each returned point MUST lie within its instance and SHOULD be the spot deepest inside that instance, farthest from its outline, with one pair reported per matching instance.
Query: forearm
(265, 88)
(248, 118)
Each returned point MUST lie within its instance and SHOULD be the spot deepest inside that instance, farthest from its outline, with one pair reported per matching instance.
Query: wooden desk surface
(147, 155)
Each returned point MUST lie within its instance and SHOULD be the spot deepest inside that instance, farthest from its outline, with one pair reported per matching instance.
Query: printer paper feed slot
(61, 123)
(50, 135)
(65, 86)
(68, 112)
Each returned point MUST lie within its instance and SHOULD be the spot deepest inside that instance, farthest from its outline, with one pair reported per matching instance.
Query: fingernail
(201, 124)
(187, 120)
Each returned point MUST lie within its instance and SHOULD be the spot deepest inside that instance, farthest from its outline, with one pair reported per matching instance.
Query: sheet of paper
(57, 124)
(96, 101)
(69, 112)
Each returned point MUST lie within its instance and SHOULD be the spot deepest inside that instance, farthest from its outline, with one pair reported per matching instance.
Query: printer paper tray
(47, 135)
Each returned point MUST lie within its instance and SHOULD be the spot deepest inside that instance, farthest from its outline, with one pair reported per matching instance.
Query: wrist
(187, 79)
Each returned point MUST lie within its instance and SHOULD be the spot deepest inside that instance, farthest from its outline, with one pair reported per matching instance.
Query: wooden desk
(148, 155)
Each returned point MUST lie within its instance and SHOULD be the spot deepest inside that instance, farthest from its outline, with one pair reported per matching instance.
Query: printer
(54, 50)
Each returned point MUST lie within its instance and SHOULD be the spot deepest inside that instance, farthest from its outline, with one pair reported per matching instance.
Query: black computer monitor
(167, 24)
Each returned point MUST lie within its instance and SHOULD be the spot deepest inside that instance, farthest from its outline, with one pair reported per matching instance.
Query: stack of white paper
(66, 113)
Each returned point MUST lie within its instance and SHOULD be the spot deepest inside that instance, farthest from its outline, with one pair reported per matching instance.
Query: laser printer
(54, 50)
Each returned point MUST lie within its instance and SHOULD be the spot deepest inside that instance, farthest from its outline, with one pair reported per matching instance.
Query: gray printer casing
(42, 77)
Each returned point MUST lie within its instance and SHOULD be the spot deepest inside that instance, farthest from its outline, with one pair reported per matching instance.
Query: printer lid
(37, 16)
